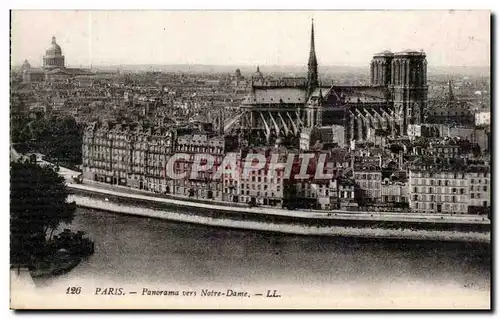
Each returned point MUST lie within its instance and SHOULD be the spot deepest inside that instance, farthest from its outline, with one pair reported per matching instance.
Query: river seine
(159, 254)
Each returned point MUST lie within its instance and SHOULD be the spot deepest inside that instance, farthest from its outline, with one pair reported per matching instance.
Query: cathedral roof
(323, 91)
(355, 94)
(276, 96)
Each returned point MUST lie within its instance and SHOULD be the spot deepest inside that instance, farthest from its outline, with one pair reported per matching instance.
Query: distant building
(452, 111)
(53, 67)
(327, 136)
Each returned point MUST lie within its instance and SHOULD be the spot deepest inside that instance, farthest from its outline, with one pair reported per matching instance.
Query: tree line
(59, 138)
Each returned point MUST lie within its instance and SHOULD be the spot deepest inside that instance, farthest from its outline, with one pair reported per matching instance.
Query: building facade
(452, 190)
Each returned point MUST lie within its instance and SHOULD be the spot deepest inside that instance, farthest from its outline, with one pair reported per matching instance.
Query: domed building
(52, 68)
(53, 56)
(258, 76)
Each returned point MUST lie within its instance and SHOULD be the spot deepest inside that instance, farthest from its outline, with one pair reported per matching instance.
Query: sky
(449, 38)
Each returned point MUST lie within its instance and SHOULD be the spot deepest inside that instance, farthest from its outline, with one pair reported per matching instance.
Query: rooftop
(276, 96)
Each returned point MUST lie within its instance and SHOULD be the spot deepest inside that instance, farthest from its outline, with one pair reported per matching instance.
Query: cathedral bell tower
(409, 80)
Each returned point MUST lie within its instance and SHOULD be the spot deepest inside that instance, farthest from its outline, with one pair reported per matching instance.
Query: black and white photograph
(258, 159)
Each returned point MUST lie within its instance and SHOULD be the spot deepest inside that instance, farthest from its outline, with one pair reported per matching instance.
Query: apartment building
(258, 186)
(447, 188)
(369, 180)
(135, 155)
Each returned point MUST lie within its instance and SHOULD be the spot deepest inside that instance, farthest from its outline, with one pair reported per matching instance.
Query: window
(471, 195)
(485, 188)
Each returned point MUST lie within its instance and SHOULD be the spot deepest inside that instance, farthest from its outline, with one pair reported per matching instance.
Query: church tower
(380, 69)
(312, 65)
(409, 78)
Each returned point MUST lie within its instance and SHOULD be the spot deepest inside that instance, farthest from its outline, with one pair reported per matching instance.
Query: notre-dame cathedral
(287, 107)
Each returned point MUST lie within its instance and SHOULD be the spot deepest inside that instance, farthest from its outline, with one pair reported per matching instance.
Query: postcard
(250, 160)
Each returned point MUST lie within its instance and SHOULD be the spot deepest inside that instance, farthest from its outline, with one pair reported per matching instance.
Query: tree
(37, 207)
(58, 138)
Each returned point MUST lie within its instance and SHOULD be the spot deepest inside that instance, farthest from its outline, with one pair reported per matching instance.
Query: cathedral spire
(312, 65)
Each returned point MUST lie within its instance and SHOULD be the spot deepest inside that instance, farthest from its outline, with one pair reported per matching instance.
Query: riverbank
(374, 225)
(54, 266)
(177, 201)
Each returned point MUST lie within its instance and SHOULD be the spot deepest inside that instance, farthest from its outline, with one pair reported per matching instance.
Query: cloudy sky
(450, 38)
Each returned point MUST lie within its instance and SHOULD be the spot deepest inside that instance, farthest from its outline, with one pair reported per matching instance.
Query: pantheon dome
(53, 57)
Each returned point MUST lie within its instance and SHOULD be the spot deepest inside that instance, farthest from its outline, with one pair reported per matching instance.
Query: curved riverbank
(174, 201)
(117, 205)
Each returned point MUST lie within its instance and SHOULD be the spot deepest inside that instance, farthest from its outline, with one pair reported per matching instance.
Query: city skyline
(93, 37)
